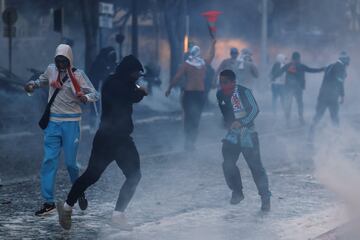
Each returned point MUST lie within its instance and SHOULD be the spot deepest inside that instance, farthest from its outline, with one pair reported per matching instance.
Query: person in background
(332, 93)
(101, 68)
(231, 63)
(194, 71)
(295, 85)
(63, 129)
(247, 72)
(239, 109)
(278, 83)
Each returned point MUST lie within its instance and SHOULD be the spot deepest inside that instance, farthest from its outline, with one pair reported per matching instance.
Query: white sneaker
(119, 220)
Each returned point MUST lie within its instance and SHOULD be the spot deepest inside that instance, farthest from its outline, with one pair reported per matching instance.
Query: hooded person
(295, 84)
(332, 93)
(63, 128)
(113, 141)
(278, 82)
(101, 68)
(194, 95)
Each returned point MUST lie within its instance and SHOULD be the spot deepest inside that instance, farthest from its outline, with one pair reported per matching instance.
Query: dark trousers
(107, 148)
(278, 92)
(193, 104)
(297, 93)
(231, 153)
(322, 105)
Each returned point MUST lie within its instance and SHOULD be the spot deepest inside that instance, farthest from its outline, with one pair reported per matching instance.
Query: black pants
(231, 153)
(297, 93)
(278, 92)
(193, 104)
(322, 105)
(107, 148)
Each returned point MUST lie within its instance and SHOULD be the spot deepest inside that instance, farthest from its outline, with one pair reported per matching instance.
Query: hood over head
(66, 51)
(128, 65)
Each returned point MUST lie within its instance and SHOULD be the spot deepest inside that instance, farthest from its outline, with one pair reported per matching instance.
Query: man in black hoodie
(295, 84)
(113, 142)
(332, 90)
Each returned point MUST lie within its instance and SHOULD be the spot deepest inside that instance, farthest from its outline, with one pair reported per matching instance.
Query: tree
(174, 19)
(90, 21)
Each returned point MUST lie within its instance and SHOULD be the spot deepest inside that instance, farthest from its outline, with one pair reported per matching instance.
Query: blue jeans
(59, 135)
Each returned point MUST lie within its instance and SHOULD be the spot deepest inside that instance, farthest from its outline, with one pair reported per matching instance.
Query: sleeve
(281, 71)
(178, 75)
(86, 86)
(43, 80)
(254, 109)
(312, 70)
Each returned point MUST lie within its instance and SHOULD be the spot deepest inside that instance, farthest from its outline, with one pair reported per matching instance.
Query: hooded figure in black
(332, 92)
(113, 141)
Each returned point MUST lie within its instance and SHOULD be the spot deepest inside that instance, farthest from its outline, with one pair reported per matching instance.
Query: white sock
(67, 207)
(117, 213)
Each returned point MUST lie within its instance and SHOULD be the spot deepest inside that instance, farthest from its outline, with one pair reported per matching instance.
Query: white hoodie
(66, 102)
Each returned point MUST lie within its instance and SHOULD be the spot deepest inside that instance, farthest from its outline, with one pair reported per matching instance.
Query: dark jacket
(332, 86)
(247, 100)
(295, 74)
(118, 96)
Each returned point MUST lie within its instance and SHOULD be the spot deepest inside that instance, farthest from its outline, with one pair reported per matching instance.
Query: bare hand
(235, 125)
(29, 87)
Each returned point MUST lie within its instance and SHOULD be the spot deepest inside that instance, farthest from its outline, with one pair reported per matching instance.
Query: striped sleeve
(254, 109)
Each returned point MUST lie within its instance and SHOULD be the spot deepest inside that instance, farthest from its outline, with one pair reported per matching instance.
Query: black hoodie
(119, 93)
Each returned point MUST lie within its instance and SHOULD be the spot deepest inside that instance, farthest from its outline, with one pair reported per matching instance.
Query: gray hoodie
(66, 106)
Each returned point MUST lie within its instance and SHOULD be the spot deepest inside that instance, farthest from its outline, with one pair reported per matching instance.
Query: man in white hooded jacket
(63, 129)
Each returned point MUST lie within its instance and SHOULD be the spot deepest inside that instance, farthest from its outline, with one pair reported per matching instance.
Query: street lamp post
(264, 35)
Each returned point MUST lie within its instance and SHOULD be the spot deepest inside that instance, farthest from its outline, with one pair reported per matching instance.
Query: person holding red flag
(68, 89)
(193, 99)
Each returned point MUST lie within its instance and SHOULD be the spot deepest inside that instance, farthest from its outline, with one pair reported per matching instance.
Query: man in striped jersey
(239, 109)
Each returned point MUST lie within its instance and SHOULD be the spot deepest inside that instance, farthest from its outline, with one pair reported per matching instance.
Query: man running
(113, 142)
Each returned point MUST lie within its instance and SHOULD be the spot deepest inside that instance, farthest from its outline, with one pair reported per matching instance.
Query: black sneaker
(265, 204)
(83, 202)
(236, 197)
(47, 208)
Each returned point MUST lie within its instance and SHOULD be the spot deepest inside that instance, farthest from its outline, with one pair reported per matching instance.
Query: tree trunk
(90, 22)
(174, 19)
